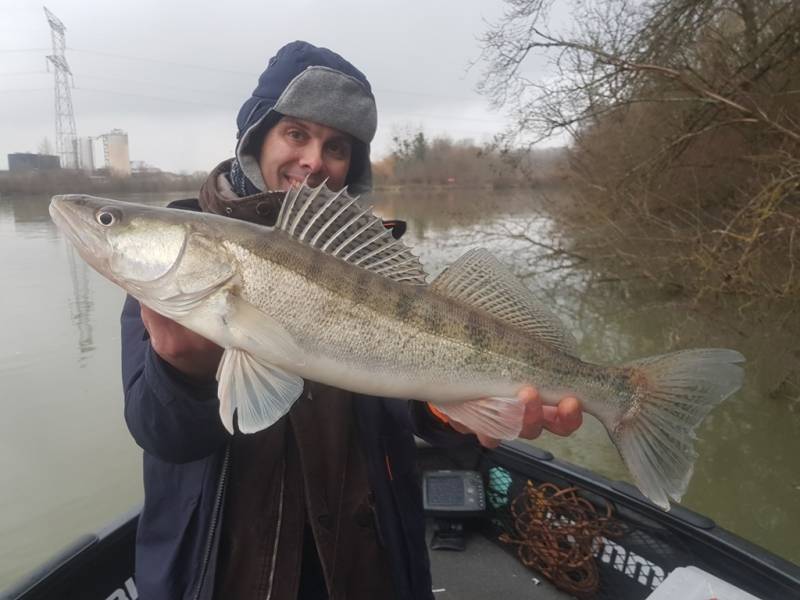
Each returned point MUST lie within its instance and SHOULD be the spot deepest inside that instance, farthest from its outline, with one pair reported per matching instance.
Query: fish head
(156, 254)
(123, 241)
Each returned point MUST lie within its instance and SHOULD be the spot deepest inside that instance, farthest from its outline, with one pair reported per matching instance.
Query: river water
(68, 465)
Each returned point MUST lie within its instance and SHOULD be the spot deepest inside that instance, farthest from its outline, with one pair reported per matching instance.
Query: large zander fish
(327, 294)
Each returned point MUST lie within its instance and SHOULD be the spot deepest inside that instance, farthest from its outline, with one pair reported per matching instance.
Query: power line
(451, 117)
(231, 94)
(249, 74)
(22, 50)
(15, 73)
(228, 106)
(163, 62)
(11, 91)
(163, 85)
(147, 97)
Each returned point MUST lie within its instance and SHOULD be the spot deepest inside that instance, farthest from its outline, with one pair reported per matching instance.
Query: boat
(649, 554)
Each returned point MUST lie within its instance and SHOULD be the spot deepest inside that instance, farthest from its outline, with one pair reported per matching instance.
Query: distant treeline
(441, 161)
(415, 160)
(63, 181)
(685, 121)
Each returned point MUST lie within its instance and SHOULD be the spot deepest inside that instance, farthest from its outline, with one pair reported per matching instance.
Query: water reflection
(28, 209)
(63, 428)
(442, 211)
(80, 304)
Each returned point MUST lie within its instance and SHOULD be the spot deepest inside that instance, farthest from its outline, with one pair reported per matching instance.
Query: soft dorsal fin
(334, 223)
(482, 281)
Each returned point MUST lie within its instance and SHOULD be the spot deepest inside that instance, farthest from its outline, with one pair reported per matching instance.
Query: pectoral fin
(259, 393)
(500, 418)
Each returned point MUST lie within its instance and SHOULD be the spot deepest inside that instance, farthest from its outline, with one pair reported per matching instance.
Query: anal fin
(500, 418)
(259, 393)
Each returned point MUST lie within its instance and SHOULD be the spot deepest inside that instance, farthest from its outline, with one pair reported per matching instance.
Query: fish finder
(453, 493)
(451, 496)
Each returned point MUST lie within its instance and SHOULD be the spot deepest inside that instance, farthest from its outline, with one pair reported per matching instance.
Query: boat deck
(632, 564)
(485, 570)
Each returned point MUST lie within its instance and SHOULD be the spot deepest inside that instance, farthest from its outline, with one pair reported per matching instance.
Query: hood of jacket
(316, 84)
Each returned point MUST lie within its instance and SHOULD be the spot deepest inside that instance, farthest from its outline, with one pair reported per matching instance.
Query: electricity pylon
(66, 136)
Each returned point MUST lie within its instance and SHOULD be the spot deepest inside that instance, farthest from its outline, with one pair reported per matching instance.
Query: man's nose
(311, 158)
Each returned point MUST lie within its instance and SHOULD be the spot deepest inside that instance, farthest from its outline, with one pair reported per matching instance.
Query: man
(324, 503)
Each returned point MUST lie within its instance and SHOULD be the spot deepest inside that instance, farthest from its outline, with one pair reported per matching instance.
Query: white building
(85, 153)
(115, 152)
(98, 152)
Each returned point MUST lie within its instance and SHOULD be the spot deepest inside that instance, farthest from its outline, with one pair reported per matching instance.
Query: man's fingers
(459, 427)
(488, 442)
(485, 440)
(565, 418)
(533, 421)
(561, 420)
(151, 316)
(158, 326)
(528, 394)
(570, 413)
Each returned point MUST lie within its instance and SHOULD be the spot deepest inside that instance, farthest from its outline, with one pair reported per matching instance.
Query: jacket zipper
(214, 520)
(274, 559)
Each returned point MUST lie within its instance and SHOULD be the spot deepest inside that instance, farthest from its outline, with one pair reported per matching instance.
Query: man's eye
(339, 149)
(295, 134)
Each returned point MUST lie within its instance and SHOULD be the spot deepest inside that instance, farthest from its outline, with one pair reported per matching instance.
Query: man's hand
(190, 353)
(561, 420)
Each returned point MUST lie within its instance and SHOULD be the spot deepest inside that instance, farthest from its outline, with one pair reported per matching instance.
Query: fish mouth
(73, 216)
(59, 215)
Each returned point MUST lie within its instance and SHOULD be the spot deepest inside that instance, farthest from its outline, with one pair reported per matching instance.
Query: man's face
(295, 149)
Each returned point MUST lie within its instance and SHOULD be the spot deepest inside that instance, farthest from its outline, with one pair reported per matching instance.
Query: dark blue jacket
(177, 424)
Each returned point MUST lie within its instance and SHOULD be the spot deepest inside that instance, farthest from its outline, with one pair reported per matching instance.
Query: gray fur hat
(316, 84)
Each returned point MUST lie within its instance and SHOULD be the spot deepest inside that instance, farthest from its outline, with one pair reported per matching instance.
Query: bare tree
(683, 116)
(45, 147)
(712, 54)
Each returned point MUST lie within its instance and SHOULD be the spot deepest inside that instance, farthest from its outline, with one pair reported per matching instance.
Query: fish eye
(107, 216)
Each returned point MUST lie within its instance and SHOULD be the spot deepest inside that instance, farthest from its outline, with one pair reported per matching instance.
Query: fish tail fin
(672, 394)
(499, 418)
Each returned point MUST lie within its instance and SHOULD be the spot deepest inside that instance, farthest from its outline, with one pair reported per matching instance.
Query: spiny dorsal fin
(334, 223)
(482, 281)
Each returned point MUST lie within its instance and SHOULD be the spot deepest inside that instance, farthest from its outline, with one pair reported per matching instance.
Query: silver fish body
(326, 296)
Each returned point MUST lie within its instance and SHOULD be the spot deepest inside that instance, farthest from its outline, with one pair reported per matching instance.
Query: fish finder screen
(445, 491)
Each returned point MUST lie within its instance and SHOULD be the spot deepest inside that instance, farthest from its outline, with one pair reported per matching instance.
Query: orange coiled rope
(558, 535)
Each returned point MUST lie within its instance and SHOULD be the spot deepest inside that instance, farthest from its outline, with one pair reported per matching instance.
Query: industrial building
(106, 151)
(86, 154)
(24, 161)
(115, 152)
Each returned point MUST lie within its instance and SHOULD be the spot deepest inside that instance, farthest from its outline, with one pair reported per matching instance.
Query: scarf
(240, 183)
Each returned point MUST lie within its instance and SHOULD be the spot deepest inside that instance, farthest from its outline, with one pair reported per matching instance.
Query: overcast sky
(173, 73)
